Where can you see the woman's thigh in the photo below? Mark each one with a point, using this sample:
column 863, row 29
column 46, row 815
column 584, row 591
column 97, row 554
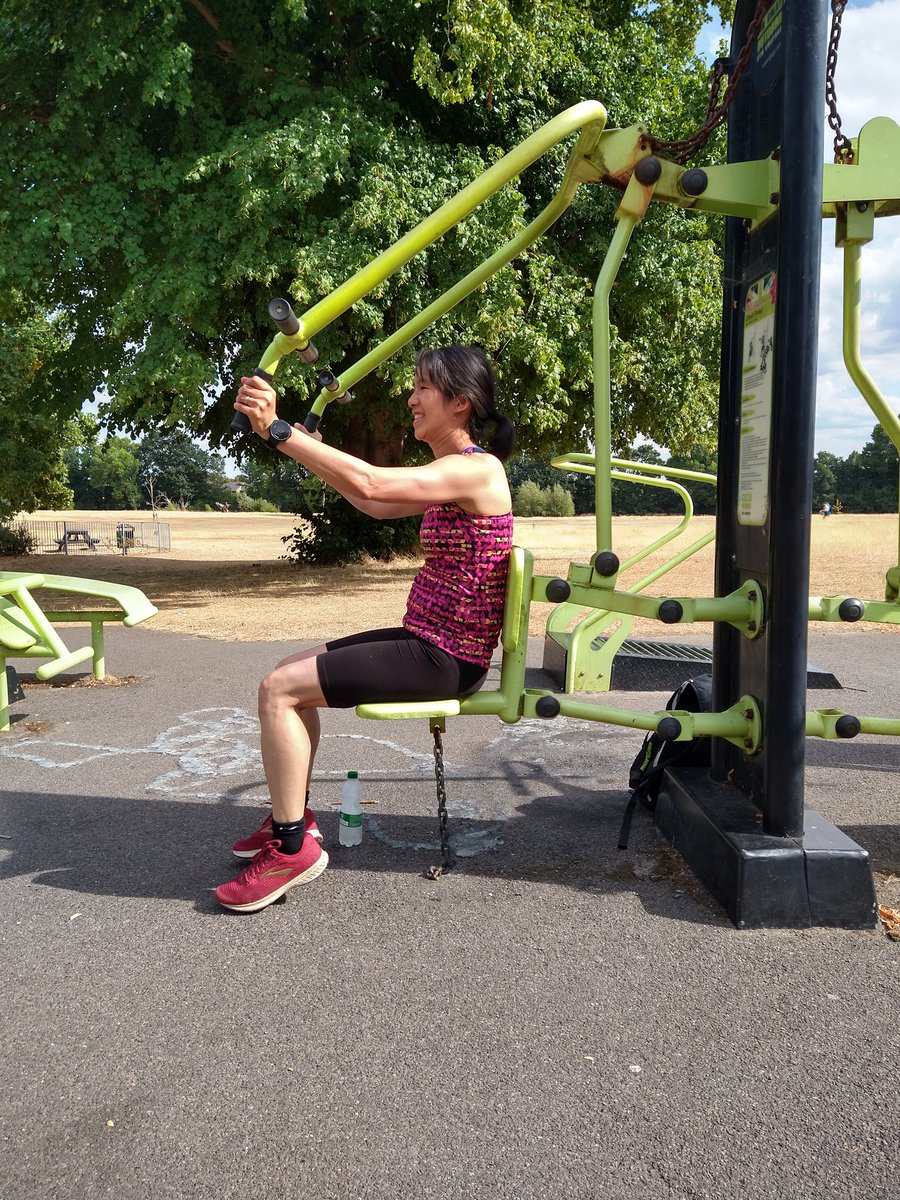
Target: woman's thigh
column 390, row 665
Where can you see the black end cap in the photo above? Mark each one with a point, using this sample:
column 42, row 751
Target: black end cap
column 669, row 729
column 670, row 612
column 606, row 563
column 851, row 609
column 558, row 590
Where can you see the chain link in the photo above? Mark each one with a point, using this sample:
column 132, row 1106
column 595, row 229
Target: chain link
column 446, row 861
column 716, row 111
column 843, row 147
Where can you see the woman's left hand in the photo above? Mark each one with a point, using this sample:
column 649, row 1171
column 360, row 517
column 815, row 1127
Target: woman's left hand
column 256, row 399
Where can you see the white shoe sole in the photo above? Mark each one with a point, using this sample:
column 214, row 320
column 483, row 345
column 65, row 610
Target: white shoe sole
column 308, row 876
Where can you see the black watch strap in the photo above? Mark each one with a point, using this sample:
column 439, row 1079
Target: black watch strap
column 273, row 442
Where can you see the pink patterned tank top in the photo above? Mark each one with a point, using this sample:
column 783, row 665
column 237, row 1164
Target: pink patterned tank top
column 457, row 597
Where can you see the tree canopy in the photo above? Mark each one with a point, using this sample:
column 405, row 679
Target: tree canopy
column 171, row 165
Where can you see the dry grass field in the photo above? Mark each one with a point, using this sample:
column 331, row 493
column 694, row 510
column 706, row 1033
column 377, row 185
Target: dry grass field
column 224, row 577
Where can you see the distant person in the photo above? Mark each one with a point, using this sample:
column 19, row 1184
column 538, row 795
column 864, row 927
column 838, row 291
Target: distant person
column 826, row 509
column 453, row 614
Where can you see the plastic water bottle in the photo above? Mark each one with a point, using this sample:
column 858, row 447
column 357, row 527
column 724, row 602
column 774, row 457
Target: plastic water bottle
column 350, row 821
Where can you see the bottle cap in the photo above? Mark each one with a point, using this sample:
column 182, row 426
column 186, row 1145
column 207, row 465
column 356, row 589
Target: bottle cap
column 353, row 775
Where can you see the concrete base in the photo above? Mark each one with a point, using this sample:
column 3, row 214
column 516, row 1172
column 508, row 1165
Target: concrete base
column 765, row 882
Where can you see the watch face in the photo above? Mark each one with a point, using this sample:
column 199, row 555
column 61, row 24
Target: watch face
column 279, row 431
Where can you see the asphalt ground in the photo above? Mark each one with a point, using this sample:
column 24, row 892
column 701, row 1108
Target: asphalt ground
column 555, row 1017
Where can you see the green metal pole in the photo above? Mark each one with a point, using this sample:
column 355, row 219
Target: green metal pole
column 450, row 214
column 625, row 225
column 867, row 386
column 443, row 304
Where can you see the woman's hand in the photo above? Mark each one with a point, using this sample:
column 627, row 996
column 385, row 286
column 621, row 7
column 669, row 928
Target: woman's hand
column 256, row 399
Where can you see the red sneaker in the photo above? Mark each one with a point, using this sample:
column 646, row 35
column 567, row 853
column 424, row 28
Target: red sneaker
column 271, row 874
column 249, row 847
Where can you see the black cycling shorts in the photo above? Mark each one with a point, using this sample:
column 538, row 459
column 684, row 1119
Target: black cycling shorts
column 390, row 665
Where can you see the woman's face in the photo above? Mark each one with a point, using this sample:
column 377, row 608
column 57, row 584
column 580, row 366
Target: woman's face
column 429, row 407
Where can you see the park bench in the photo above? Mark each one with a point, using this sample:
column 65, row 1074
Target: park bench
column 27, row 628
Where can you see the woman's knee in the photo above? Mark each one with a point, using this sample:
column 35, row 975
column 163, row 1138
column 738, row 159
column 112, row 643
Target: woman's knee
column 290, row 685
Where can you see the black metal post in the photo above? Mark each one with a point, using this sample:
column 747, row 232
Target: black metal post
column 793, row 413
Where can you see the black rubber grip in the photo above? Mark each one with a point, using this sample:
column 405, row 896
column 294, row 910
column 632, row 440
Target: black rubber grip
column 283, row 316
column 311, row 422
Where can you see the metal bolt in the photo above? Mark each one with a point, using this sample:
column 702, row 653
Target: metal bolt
column 774, row 197
column 748, row 743
column 751, row 595
column 751, row 627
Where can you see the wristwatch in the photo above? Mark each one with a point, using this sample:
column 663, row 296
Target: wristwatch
column 279, row 431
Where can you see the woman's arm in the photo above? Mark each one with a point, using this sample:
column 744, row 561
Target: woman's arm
column 385, row 512
column 385, row 491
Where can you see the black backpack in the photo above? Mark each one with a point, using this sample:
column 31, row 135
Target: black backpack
column 656, row 754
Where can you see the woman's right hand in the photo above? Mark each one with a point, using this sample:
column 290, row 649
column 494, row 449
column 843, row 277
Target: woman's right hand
column 256, row 399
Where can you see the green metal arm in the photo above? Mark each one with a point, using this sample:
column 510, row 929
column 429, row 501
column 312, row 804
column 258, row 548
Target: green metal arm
column 743, row 608
column 740, row 724
column 588, row 117
column 828, row 608
column 825, row 723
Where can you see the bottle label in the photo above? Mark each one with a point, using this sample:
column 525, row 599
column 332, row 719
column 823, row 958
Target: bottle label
column 351, row 820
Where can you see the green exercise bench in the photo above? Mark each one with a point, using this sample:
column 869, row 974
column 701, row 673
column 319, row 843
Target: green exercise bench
column 27, row 628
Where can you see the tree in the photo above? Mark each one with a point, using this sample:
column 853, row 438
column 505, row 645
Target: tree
column 170, row 166
column 35, row 433
column 879, row 474
column 174, row 465
column 277, row 480
column 825, row 476
column 105, row 475
column 638, row 499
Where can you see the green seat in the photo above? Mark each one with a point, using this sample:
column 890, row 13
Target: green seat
column 504, row 701
column 27, row 630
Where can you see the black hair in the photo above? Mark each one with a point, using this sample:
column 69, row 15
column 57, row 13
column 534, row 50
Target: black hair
column 467, row 371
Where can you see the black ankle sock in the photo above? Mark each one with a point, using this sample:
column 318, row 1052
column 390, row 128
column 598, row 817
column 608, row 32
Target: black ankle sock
column 290, row 834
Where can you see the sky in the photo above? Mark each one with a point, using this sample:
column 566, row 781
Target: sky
column 866, row 85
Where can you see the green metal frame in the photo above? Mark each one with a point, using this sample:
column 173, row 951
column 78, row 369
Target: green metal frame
column 588, row 118
column 589, row 662
column 27, row 630
column 748, row 190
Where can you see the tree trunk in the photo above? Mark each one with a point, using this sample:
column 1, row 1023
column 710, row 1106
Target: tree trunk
column 379, row 441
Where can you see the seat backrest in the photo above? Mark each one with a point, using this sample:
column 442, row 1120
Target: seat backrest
column 511, row 631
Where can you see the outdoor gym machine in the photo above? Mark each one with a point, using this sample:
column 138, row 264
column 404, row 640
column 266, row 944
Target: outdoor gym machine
column 742, row 826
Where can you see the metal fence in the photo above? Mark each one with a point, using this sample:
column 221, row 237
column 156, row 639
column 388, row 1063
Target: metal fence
column 92, row 537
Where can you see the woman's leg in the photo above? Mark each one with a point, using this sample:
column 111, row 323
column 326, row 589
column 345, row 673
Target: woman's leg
column 289, row 699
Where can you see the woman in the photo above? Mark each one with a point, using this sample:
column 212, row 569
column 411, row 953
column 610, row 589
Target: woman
column 454, row 611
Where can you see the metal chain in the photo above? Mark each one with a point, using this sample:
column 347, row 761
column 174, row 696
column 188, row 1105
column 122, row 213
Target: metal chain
column 843, row 147
column 446, row 861
column 716, row 111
